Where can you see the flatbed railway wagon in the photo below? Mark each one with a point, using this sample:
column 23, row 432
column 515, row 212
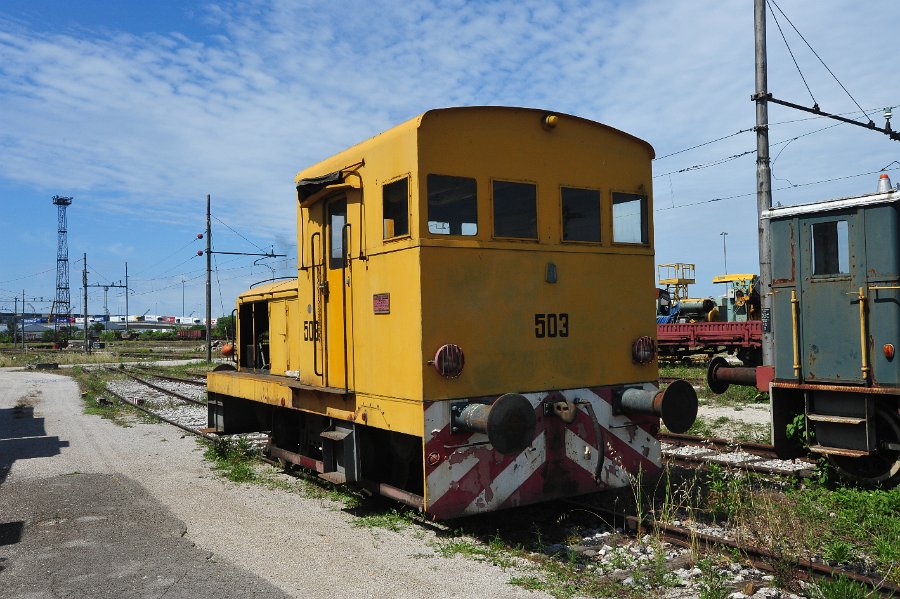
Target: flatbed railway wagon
column 456, row 337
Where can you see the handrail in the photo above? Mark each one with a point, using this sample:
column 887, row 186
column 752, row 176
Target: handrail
column 794, row 309
column 344, row 262
column 315, row 311
column 862, row 334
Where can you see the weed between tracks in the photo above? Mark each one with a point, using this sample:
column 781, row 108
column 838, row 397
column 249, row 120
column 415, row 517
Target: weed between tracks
column 97, row 402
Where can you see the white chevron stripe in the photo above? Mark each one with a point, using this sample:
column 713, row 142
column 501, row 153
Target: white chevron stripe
column 512, row 477
column 644, row 443
column 444, row 476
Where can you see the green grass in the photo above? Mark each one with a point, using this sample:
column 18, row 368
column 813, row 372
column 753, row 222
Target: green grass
column 97, row 401
column 852, row 524
column 233, row 460
column 563, row 576
column 394, row 520
column 839, row 588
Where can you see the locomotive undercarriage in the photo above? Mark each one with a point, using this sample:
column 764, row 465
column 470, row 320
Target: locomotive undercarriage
column 857, row 431
column 384, row 462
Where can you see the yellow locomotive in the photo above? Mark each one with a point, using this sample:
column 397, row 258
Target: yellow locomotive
column 456, row 337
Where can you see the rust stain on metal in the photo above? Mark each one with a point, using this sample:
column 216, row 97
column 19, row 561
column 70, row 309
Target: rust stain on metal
column 836, row 388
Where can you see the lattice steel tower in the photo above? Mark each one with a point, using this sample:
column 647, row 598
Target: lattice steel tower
column 62, row 258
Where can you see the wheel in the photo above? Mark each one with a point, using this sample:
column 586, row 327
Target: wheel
column 881, row 469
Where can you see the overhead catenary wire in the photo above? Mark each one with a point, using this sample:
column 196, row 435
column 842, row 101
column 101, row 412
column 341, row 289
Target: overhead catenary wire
column 791, row 52
column 793, row 186
column 816, row 54
column 775, row 124
column 706, row 143
column 220, row 221
column 726, row 159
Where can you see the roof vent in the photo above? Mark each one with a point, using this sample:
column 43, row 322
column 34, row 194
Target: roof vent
column 884, row 183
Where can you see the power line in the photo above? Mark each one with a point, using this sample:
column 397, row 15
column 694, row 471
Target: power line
column 808, row 45
column 238, row 234
column 158, row 262
column 791, row 52
column 793, row 186
column 706, row 143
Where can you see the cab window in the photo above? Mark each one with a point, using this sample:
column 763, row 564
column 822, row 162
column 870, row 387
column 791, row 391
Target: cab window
column 396, row 208
column 629, row 218
column 337, row 217
column 580, row 214
column 452, row 208
column 831, row 255
column 515, row 209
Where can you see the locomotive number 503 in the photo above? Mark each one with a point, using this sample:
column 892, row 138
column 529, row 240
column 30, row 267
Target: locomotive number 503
column 551, row 325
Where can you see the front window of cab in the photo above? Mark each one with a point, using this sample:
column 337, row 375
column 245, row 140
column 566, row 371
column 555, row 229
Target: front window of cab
column 452, row 205
column 515, row 209
column 629, row 218
column 580, row 214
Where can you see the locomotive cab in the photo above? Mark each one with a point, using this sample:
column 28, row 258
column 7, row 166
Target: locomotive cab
column 836, row 321
column 456, row 336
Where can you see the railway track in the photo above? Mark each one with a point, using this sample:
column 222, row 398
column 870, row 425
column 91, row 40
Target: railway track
column 196, row 379
column 760, row 558
column 189, row 416
column 690, row 451
column 169, row 399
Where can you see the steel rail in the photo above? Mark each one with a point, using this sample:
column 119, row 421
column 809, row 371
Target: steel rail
column 188, row 429
column 166, row 391
column 175, row 379
column 759, row 449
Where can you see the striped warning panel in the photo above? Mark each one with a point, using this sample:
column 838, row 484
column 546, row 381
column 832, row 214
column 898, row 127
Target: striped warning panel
column 464, row 475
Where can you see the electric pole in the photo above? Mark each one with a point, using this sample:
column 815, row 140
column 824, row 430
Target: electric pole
column 87, row 341
column 763, row 181
column 208, row 287
column 126, row 299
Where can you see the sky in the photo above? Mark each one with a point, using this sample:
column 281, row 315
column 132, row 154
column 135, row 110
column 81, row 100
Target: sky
column 138, row 110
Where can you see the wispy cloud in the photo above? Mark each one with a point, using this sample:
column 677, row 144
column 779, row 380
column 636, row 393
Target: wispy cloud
column 148, row 124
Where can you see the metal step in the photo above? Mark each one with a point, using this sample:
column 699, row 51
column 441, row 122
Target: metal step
column 338, row 436
column 849, row 453
column 337, row 478
column 835, row 419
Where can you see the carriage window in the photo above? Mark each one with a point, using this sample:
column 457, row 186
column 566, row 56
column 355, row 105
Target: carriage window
column 515, row 210
column 580, row 214
column 396, row 208
column 629, row 218
column 451, row 205
column 337, row 216
column 830, row 249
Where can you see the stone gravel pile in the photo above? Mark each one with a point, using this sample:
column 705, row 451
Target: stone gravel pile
column 649, row 562
column 182, row 412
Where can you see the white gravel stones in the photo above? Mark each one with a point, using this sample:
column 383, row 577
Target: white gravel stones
column 197, row 392
column 626, row 559
column 182, row 412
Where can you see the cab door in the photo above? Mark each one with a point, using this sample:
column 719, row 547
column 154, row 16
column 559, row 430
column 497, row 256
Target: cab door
column 335, row 295
column 829, row 298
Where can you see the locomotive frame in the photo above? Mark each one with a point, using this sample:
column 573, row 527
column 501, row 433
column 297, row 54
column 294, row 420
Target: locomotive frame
column 451, row 340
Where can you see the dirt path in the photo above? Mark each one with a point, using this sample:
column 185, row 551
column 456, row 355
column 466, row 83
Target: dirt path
column 302, row 546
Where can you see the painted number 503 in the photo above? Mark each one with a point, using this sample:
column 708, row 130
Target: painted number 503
column 551, row 325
